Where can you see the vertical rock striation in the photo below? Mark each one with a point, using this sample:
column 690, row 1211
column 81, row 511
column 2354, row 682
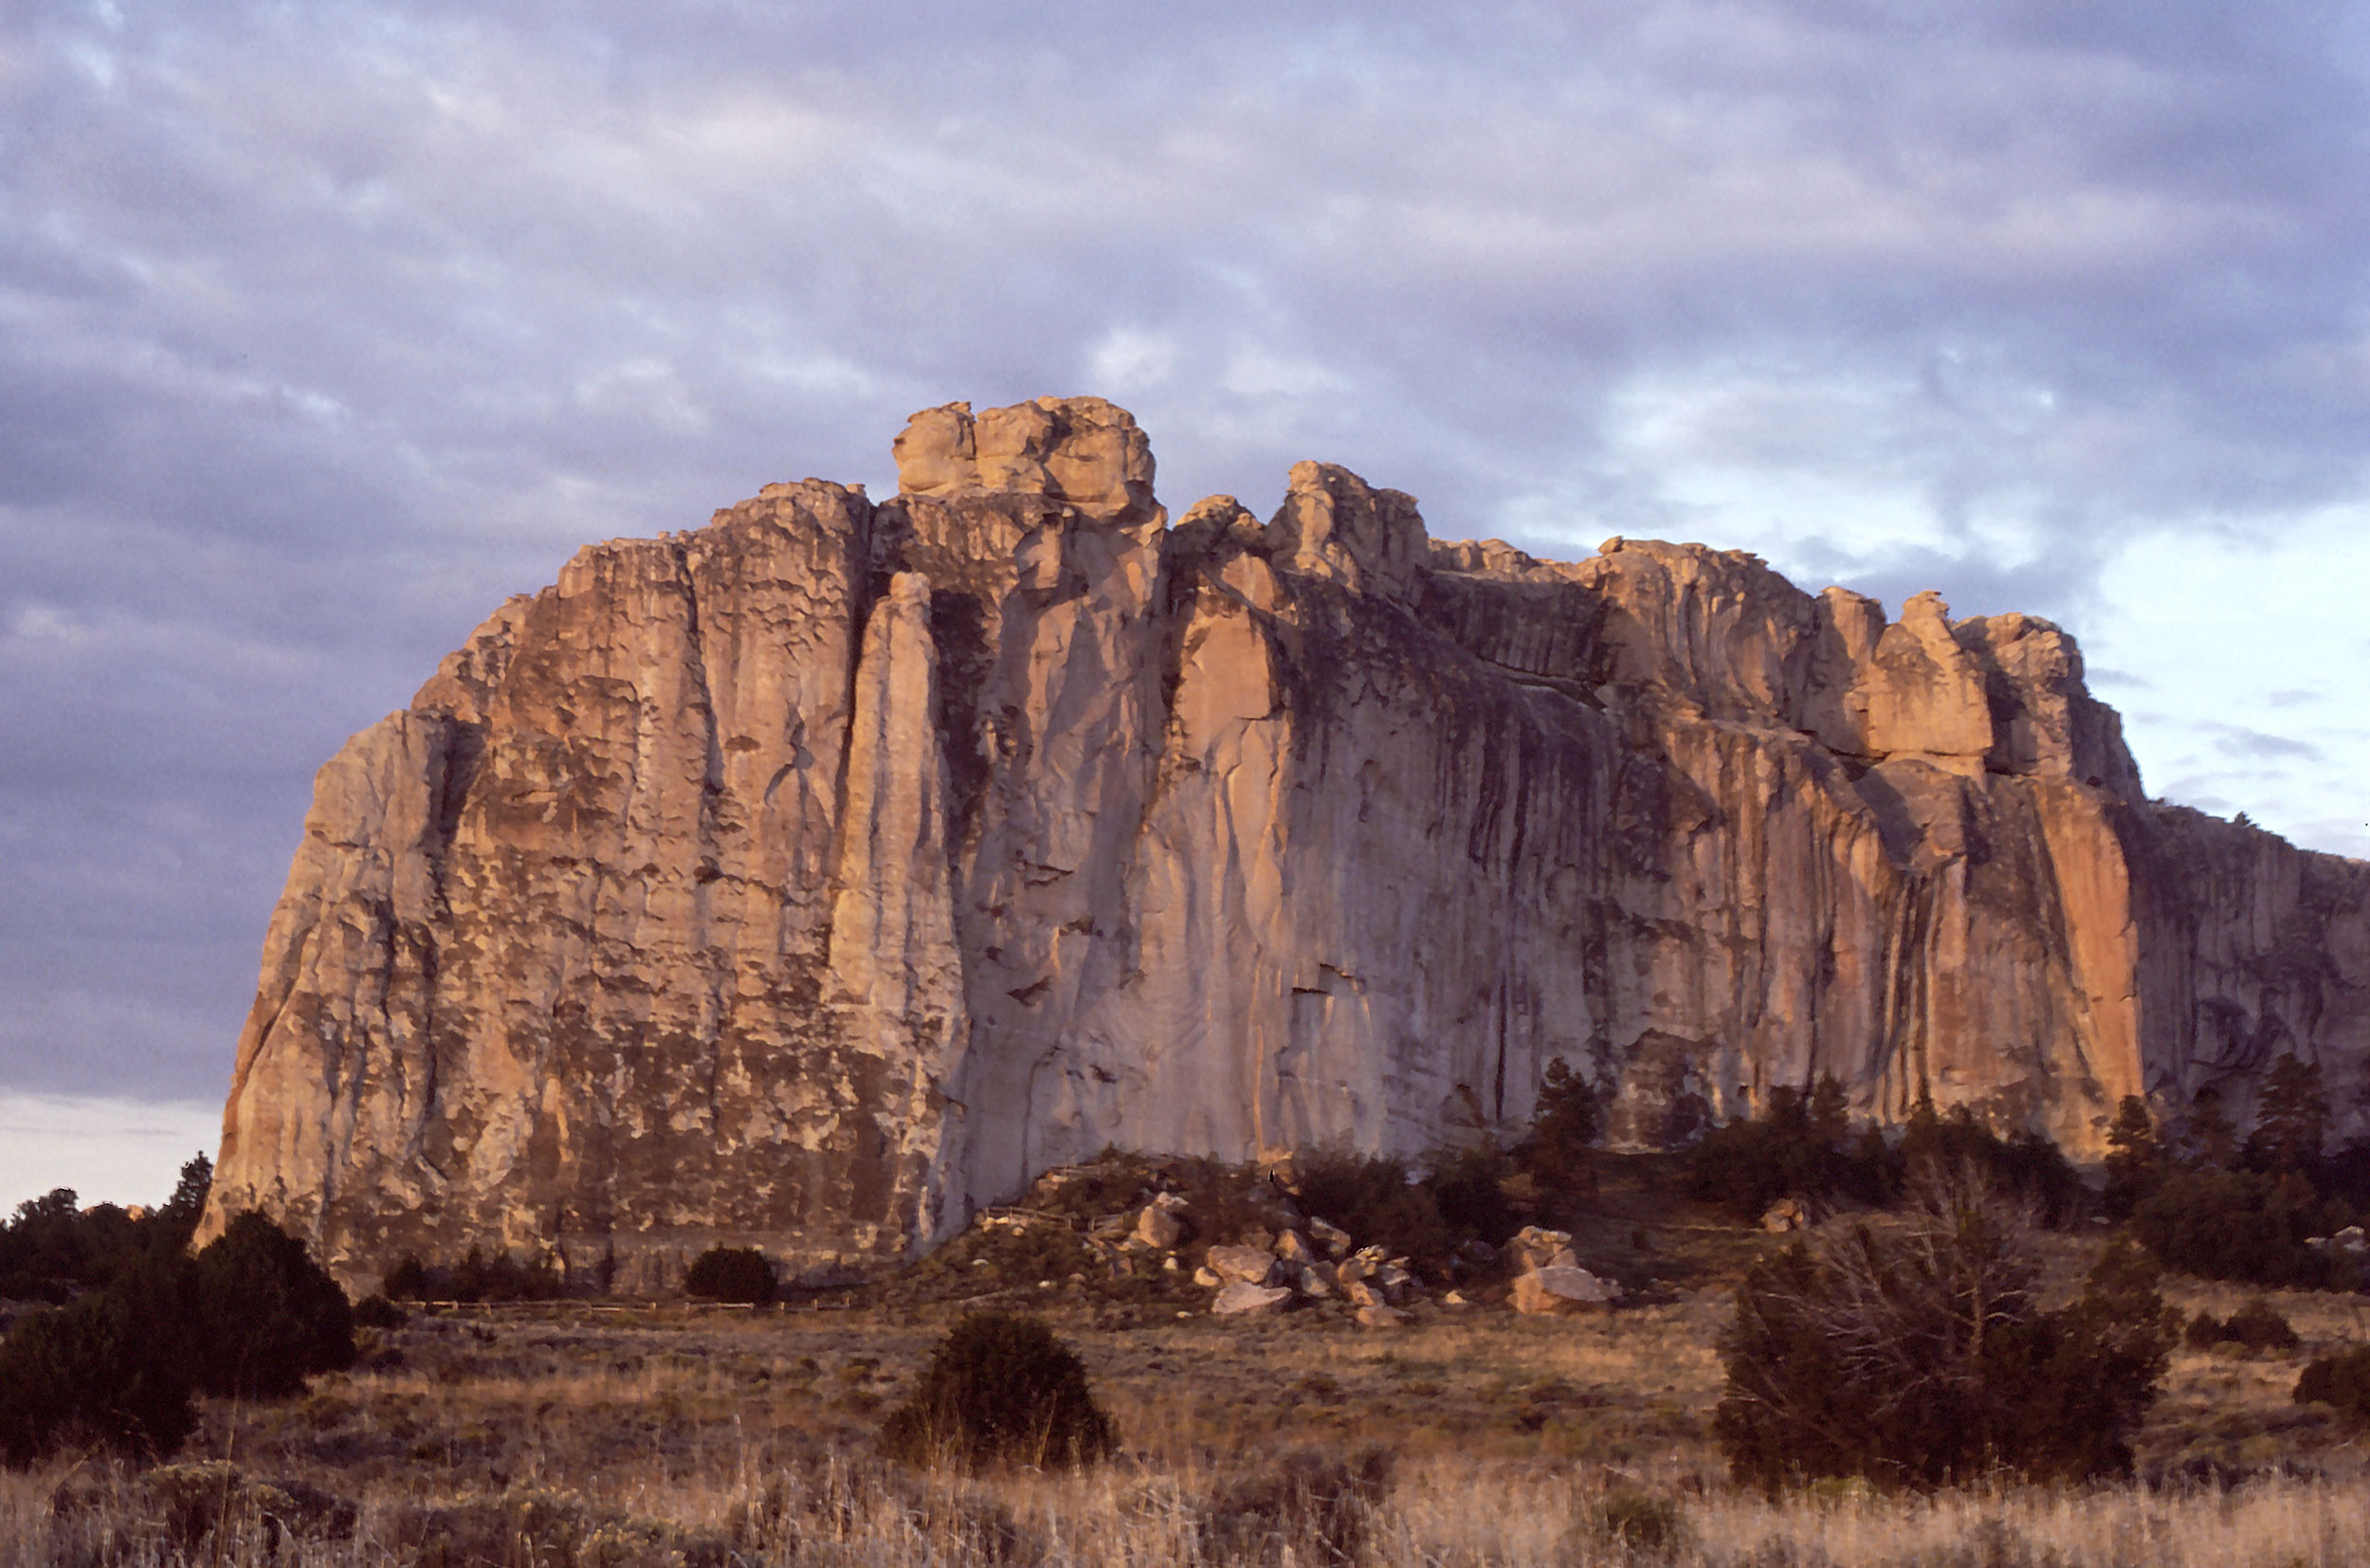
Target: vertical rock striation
column 809, row 879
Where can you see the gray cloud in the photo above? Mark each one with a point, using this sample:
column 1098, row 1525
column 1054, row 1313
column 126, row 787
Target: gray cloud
column 322, row 328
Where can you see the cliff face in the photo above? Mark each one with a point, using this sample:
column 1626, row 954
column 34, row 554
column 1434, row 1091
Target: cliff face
column 810, row 878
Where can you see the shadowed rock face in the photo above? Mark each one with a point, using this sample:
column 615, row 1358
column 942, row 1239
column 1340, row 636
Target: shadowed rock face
column 809, row 879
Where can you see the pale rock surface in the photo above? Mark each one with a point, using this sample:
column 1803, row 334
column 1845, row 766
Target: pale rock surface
column 1243, row 1299
column 1243, row 1264
column 813, row 879
column 1533, row 1247
column 1379, row 1316
column 1561, row 1288
column 1158, row 1228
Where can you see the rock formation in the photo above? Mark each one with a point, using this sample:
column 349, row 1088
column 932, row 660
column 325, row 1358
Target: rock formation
column 809, row 879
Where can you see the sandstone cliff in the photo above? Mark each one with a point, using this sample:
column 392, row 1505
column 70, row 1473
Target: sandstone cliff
column 807, row 879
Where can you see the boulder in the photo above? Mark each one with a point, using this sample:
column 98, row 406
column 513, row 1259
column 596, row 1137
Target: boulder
column 1313, row 1282
column 1560, row 1289
column 1292, row 1250
column 1208, row 1278
column 1241, row 1299
column 1787, row 1214
column 1335, row 1240
column 1383, row 1317
column 1159, row 1227
column 1243, row 1264
column 1533, row 1248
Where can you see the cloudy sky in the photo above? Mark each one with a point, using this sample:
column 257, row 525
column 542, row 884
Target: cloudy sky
column 324, row 326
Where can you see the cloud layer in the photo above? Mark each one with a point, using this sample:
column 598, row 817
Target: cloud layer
column 323, row 327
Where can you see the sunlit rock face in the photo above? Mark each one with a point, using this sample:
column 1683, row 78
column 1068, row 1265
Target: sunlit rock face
column 807, row 880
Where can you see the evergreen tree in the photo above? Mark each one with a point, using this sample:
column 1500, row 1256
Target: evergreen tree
column 2135, row 1159
column 2292, row 1118
column 2212, row 1140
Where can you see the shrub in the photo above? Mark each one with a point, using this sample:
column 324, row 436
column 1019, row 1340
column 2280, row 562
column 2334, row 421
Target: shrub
column 271, row 1317
column 502, row 1278
column 1467, row 1188
column 2341, row 1381
column 731, row 1274
column 112, row 1369
column 1373, row 1200
column 1304, row 1507
column 2025, row 1165
column 1000, row 1389
column 1915, row 1353
column 1638, row 1521
column 2259, row 1325
column 53, row 1249
column 379, row 1312
column 2233, row 1225
column 1800, row 1145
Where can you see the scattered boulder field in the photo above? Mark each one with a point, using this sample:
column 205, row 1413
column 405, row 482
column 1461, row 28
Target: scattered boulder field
column 1269, row 1256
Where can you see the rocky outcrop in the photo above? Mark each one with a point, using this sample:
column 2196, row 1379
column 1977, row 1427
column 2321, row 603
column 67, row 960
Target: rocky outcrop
column 812, row 878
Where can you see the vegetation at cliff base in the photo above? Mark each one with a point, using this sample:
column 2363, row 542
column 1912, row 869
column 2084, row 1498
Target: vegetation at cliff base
column 731, row 1274
column 2259, row 1210
column 475, row 1278
column 1915, row 1352
column 1806, row 1146
column 147, row 1326
column 53, row 1249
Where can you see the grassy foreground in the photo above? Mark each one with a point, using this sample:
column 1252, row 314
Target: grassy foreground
column 565, row 1433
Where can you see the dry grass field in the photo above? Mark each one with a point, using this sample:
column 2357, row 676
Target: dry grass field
column 566, row 1433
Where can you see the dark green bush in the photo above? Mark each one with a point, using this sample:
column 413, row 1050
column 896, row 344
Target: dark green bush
column 2235, row 1225
column 1000, row 1389
column 2024, row 1166
column 53, row 1249
column 475, row 1278
column 502, row 1278
column 1374, row 1200
column 112, row 1369
column 1467, row 1188
column 731, row 1274
column 379, row 1312
column 2341, row 1382
column 1799, row 1146
column 1915, row 1353
column 2257, row 1324
column 272, row 1317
